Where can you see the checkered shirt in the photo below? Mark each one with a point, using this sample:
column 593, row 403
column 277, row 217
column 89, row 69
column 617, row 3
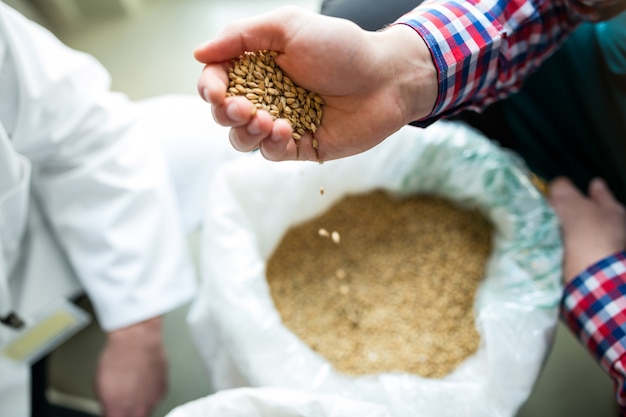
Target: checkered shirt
column 484, row 49
column 594, row 308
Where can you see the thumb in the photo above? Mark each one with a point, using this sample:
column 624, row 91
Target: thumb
column 266, row 31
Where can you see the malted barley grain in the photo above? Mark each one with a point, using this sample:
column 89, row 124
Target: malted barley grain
column 396, row 295
column 256, row 76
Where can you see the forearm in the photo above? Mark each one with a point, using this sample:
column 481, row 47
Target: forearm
column 145, row 335
column 484, row 50
column 116, row 218
column 132, row 371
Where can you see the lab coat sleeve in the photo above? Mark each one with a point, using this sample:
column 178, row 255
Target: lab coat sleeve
column 99, row 177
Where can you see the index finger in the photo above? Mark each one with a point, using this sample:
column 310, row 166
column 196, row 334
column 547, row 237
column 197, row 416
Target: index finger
column 213, row 83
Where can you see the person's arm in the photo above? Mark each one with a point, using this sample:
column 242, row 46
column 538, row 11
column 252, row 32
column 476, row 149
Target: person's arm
column 102, row 183
column 594, row 308
column 484, row 50
column 463, row 54
column 373, row 83
column 132, row 370
column 594, row 271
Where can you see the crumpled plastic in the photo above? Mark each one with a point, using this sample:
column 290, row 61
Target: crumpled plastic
column 253, row 202
column 276, row 402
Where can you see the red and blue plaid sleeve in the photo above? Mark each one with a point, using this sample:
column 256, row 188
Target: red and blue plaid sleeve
column 594, row 308
column 484, row 49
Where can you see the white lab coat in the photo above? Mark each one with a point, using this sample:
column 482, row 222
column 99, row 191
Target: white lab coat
column 88, row 201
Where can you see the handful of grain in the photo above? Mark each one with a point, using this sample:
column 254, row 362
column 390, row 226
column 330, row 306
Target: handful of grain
column 396, row 294
column 256, row 76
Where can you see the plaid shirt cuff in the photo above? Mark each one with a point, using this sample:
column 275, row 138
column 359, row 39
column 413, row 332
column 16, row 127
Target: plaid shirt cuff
column 464, row 42
column 594, row 308
column 484, row 49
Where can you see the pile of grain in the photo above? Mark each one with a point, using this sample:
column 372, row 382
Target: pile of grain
column 256, row 76
column 395, row 293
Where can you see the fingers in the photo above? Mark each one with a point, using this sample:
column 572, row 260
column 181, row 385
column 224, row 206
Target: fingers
column 564, row 196
column 592, row 226
column 602, row 195
column 272, row 137
column 256, row 129
column 280, row 146
column 569, row 204
column 213, row 83
column 249, row 126
column 566, row 201
column 248, row 130
column 562, row 191
column 233, row 111
column 561, row 185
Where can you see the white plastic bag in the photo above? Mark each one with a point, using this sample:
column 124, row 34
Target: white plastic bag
column 276, row 402
column 253, row 202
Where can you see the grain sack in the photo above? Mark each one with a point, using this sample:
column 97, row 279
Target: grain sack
column 393, row 292
column 253, row 203
column 276, row 402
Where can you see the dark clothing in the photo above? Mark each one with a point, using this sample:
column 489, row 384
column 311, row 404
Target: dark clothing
column 570, row 116
column 370, row 16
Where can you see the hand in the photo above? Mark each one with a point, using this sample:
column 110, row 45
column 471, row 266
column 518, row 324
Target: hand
column 593, row 227
column 131, row 377
column 373, row 83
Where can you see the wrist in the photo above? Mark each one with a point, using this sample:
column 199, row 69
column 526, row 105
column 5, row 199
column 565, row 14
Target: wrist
column 415, row 75
column 145, row 333
column 574, row 269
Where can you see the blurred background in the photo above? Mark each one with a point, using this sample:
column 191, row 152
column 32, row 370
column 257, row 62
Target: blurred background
column 147, row 47
column 145, row 44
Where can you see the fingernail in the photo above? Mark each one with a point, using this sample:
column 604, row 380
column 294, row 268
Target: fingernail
column 253, row 127
column 598, row 181
column 205, row 94
column 598, row 184
column 232, row 111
